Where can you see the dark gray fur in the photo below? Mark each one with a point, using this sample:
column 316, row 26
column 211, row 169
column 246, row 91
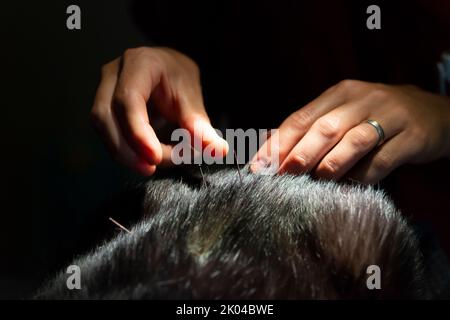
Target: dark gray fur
column 269, row 237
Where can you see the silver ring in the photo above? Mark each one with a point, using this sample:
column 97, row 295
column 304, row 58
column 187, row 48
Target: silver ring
column 379, row 129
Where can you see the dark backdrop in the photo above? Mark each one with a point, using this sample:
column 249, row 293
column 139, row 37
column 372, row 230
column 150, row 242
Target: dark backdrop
column 55, row 172
column 59, row 185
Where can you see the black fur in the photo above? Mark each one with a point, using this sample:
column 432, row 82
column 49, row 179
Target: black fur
column 267, row 237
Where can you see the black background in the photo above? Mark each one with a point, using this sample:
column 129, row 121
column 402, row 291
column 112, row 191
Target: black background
column 59, row 184
column 55, row 172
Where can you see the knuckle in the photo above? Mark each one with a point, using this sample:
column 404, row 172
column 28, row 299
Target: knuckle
column 402, row 114
column 331, row 166
column 379, row 94
column 349, row 85
column 123, row 96
column 132, row 53
column 300, row 120
column 348, row 88
column 186, row 61
column 296, row 163
column 328, row 127
column 106, row 68
column 195, row 70
column 420, row 136
column 151, row 56
column 300, row 160
column 362, row 138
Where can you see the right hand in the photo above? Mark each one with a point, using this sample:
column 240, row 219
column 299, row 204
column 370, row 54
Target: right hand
column 167, row 79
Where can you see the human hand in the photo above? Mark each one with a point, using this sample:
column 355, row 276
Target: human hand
column 167, row 80
column 330, row 137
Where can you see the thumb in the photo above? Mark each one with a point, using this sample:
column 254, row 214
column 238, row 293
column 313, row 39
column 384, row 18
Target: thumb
column 197, row 123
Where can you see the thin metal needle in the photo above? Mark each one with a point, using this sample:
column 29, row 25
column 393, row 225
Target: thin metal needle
column 203, row 177
column 119, row 225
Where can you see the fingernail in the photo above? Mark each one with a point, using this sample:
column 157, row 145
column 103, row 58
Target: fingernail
column 260, row 164
column 301, row 161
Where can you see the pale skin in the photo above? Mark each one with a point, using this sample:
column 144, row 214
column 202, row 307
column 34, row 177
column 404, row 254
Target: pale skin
column 329, row 137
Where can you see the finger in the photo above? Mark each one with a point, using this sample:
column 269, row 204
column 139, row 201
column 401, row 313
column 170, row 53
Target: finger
column 139, row 75
column 106, row 125
column 201, row 130
column 383, row 160
column 166, row 156
column 295, row 127
column 193, row 117
column 325, row 133
column 355, row 144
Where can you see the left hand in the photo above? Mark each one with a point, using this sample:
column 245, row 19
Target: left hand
column 330, row 137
